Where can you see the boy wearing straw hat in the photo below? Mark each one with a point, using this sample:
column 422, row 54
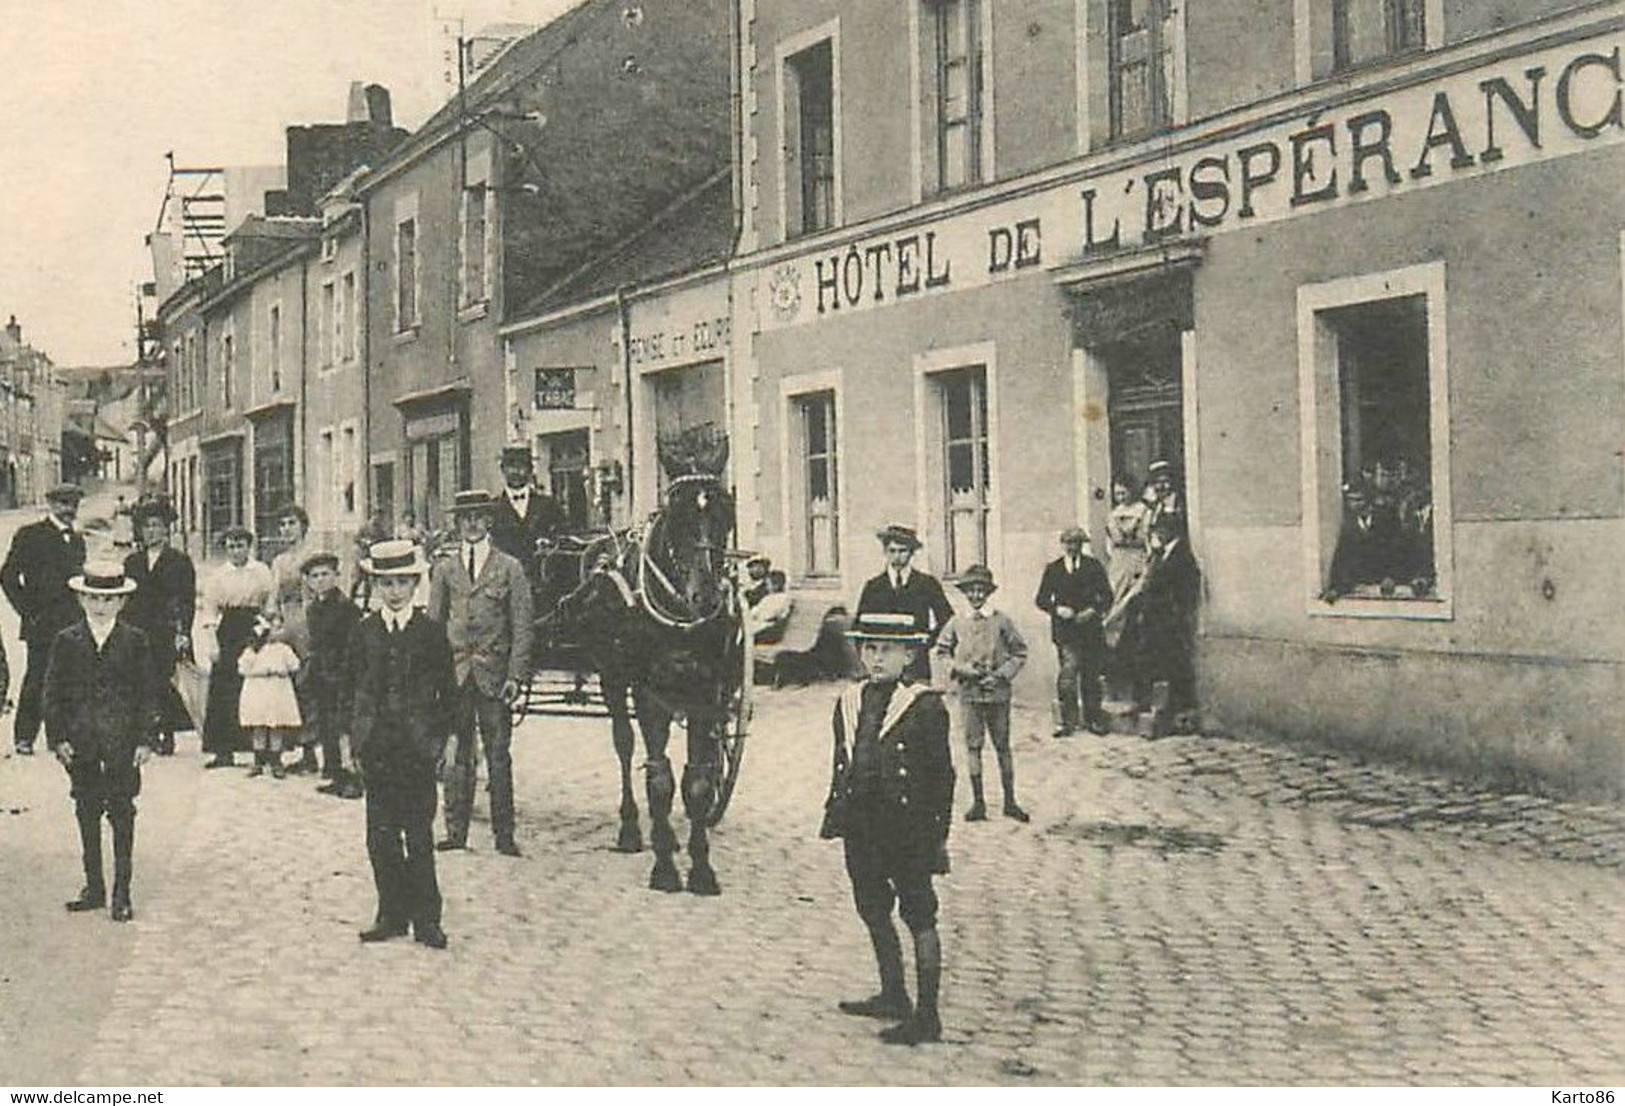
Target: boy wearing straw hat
column 984, row 651
column 100, row 716
column 402, row 709
column 890, row 796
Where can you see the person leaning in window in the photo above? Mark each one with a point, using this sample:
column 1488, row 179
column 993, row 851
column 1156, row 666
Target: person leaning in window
column 234, row 594
column 1076, row 594
column 890, row 799
column 904, row 589
column 402, row 707
column 481, row 596
column 43, row 556
column 162, row 607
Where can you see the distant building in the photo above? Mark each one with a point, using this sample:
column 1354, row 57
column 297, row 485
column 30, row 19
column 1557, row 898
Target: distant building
column 31, row 420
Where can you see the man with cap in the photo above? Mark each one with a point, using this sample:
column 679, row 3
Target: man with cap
column 162, row 607
column 903, row 589
column 1076, row 594
column 402, row 707
column 758, row 569
column 99, row 720
column 44, row 556
column 482, row 597
column 890, row 796
column 523, row 514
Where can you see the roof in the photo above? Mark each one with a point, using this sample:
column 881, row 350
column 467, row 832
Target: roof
column 275, row 226
column 695, row 232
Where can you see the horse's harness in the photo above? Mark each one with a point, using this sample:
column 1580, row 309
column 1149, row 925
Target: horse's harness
column 653, row 592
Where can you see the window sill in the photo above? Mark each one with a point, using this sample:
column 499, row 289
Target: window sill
column 401, row 337
column 1404, row 610
column 473, row 312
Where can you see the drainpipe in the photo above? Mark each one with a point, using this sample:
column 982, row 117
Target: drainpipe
column 363, row 322
column 302, row 471
column 624, row 311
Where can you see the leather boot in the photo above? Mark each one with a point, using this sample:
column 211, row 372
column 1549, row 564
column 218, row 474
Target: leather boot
column 123, row 860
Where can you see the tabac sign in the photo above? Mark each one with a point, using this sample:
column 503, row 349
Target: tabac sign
column 1550, row 104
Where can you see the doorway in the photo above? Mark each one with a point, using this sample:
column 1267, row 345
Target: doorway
column 1145, row 403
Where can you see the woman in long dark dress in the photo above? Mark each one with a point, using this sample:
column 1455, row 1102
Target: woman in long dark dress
column 162, row 607
column 1159, row 628
column 237, row 592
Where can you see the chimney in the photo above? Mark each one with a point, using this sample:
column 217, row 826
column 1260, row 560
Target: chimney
column 14, row 331
column 356, row 110
column 379, row 111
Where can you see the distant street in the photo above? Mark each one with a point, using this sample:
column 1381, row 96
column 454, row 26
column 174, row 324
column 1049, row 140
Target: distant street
column 1184, row 911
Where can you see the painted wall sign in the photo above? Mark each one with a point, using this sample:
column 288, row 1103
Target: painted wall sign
column 1516, row 112
column 682, row 326
column 555, row 389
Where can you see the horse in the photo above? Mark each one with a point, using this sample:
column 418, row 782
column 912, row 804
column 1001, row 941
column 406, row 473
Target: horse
column 660, row 616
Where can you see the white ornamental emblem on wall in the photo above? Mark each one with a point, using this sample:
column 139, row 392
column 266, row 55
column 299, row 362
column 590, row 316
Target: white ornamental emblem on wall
column 785, row 289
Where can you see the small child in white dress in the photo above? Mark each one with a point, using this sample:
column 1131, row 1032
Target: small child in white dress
column 268, row 709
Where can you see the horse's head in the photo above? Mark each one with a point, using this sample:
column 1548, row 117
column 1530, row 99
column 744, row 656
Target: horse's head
column 696, row 536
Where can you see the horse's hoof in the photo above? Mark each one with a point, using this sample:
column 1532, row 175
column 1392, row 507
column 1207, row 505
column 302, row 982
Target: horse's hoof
column 703, row 881
column 629, row 840
column 664, row 877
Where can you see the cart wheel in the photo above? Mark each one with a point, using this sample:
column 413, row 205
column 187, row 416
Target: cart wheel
column 731, row 742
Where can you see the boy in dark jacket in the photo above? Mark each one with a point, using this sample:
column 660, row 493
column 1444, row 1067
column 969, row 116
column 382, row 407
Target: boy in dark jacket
column 890, row 798
column 402, row 710
column 99, row 720
column 330, row 619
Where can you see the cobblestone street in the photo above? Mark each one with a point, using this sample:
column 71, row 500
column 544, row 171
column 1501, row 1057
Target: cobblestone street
column 1183, row 911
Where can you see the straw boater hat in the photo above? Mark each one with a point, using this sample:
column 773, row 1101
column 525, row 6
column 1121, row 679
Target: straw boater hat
column 396, row 557
column 876, row 626
column 977, row 576
column 475, row 499
column 897, row 532
column 69, row 493
column 102, row 578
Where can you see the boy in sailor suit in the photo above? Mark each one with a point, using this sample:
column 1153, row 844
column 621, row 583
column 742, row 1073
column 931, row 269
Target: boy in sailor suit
column 890, row 798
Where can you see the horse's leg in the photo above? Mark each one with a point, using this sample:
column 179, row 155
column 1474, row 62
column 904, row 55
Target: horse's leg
column 630, row 837
column 699, row 788
column 655, row 722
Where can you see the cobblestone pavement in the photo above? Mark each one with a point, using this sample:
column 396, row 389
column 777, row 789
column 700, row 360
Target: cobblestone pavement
column 1182, row 911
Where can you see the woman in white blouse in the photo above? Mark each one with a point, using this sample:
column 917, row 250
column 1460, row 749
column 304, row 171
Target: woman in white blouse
column 234, row 594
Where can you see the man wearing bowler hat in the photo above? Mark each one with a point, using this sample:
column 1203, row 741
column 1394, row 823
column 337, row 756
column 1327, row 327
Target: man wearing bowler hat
column 482, row 597
column 522, row 514
column 904, row 589
column 44, row 555
column 1076, row 594
column 100, row 716
column 402, row 708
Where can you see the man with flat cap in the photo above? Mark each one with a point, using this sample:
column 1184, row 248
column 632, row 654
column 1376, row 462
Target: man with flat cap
column 904, row 589
column 481, row 596
column 44, row 556
column 522, row 514
column 1077, row 595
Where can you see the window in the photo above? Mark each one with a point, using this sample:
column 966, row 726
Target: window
column 406, row 275
column 228, row 366
column 345, row 322
column 1140, row 36
column 1376, row 427
column 1364, row 31
column 958, row 55
column 966, row 472
column 349, row 472
column 383, row 489
column 475, row 197
column 274, row 330
column 194, row 374
column 328, row 327
column 809, row 148
column 821, row 503
column 325, row 479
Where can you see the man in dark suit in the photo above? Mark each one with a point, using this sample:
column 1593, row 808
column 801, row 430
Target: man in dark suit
column 99, row 720
column 1076, row 594
column 162, row 607
column 523, row 514
column 43, row 556
column 402, row 709
column 482, row 597
column 903, row 589
column 889, row 799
